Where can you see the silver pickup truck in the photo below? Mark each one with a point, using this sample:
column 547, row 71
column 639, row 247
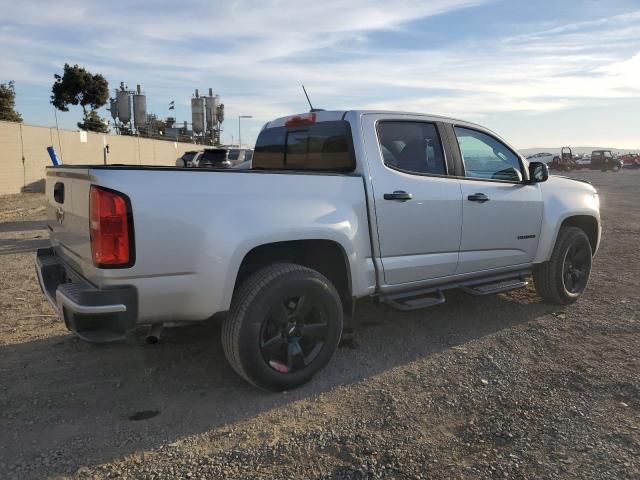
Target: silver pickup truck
column 337, row 206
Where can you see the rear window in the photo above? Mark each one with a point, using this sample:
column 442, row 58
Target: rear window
column 188, row 156
column 214, row 155
column 325, row 146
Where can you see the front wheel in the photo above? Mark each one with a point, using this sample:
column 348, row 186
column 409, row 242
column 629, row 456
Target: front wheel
column 564, row 277
column 284, row 326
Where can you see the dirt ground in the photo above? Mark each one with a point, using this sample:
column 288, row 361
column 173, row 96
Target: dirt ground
column 492, row 387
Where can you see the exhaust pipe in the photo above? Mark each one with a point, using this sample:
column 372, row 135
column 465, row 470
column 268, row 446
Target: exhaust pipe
column 153, row 336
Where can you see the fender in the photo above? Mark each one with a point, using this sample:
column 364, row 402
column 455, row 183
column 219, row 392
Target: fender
column 564, row 199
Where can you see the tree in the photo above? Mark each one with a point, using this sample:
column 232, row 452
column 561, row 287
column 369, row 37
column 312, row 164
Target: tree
column 8, row 103
column 77, row 86
column 93, row 123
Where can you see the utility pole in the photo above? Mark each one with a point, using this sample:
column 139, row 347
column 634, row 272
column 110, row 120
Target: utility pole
column 239, row 134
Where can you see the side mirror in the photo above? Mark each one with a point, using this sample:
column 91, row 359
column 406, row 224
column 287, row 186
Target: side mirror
column 538, row 172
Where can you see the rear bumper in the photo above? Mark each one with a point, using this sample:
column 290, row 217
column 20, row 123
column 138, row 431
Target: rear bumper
column 93, row 314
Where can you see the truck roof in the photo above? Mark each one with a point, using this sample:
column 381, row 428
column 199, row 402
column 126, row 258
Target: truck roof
column 332, row 115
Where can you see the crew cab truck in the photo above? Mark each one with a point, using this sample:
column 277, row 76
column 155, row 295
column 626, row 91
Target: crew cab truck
column 604, row 160
column 337, row 205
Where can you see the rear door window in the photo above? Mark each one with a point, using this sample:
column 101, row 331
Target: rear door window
column 413, row 147
column 324, row 146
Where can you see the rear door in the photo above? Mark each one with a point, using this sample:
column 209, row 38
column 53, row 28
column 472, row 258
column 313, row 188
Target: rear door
column 418, row 206
column 501, row 215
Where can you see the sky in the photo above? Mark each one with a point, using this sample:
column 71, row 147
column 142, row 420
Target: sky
column 543, row 73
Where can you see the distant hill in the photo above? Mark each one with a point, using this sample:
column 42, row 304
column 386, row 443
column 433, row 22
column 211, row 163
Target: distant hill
column 579, row 150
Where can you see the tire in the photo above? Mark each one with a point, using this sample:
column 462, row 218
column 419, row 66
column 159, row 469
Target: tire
column 616, row 168
column 284, row 326
column 562, row 280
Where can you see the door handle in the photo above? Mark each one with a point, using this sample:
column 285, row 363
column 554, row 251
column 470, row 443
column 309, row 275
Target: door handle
column 478, row 197
column 398, row 195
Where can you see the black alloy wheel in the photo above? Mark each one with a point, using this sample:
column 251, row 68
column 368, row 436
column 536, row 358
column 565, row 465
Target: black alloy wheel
column 576, row 266
column 294, row 333
column 564, row 277
column 284, row 326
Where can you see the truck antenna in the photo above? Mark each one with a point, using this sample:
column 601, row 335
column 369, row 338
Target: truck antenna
column 309, row 101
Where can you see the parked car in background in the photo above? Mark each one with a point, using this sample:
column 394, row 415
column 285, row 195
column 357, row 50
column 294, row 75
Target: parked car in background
column 541, row 157
column 630, row 160
column 213, row 158
column 604, row 160
column 219, row 157
column 246, row 165
column 564, row 162
column 338, row 205
column 584, row 161
column 239, row 155
column 188, row 158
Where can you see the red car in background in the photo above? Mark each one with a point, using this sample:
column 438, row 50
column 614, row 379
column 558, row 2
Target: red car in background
column 630, row 160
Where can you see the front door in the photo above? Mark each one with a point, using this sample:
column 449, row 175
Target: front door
column 418, row 208
column 502, row 216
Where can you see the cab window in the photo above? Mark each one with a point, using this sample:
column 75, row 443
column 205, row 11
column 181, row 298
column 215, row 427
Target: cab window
column 486, row 158
column 412, row 147
column 323, row 146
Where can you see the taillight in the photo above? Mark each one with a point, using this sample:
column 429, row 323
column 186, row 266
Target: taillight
column 111, row 235
column 299, row 120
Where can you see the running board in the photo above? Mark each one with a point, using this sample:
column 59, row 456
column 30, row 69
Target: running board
column 430, row 296
column 496, row 287
column 413, row 300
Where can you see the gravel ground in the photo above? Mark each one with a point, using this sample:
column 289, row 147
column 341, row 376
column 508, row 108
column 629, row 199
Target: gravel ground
column 496, row 387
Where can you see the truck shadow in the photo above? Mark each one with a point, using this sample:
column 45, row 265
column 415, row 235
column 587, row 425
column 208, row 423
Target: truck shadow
column 37, row 186
column 66, row 404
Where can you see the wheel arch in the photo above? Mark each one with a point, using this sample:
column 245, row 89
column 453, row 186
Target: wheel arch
column 328, row 257
column 588, row 224
column 587, row 221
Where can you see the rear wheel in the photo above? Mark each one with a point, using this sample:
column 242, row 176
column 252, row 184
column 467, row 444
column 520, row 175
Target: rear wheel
column 284, row 326
column 564, row 277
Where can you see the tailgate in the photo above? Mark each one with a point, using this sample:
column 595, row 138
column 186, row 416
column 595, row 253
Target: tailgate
column 67, row 191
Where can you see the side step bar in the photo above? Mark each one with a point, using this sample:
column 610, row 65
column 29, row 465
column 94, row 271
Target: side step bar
column 428, row 297
column 414, row 300
column 491, row 288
